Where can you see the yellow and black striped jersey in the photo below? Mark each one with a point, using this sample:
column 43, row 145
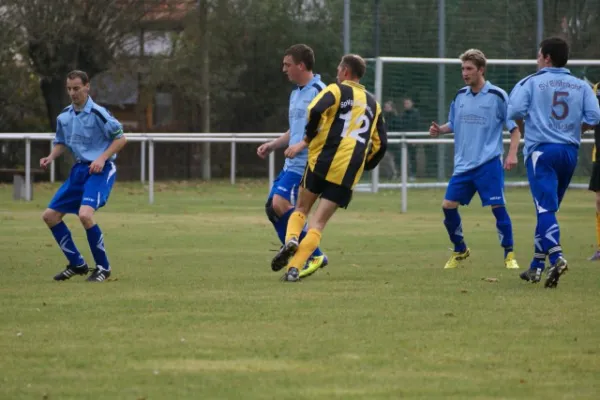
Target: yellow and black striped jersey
column 347, row 133
column 596, row 128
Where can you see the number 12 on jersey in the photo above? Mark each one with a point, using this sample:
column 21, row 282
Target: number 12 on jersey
column 357, row 134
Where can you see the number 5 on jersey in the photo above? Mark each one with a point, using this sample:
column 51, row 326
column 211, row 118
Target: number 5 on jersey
column 356, row 134
column 562, row 106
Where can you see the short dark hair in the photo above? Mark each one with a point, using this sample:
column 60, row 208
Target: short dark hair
column 301, row 53
column 356, row 64
column 79, row 74
column 558, row 50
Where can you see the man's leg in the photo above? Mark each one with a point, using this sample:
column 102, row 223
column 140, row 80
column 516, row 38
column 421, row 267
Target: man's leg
column 461, row 189
column 279, row 206
column 323, row 213
column 295, row 225
column 548, row 183
column 66, row 200
column 596, row 255
column 490, row 186
column 96, row 194
column 595, row 187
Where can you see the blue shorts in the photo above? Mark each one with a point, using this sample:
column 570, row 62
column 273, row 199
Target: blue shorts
column 286, row 185
column 549, row 170
column 487, row 180
column 84, row 189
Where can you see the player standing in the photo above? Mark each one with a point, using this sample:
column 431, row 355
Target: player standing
column 595, row 181
column 477, row 117
column 554, row 105
column 345, row 134
column 94, row 137
column 298, row 62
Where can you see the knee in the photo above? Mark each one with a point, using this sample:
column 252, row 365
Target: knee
column 449, row 205
column 280, row 205
column 51, row 217
column 270, row 211
column 86, row 216
column 598, row 203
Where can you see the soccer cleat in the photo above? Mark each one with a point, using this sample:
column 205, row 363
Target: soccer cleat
column 291, row 275
column 99, row 275
column 313, row 264
column 510, row 262
column 456, row 258
column 532, row 275
column 71, row 270
column 555, row 272
column 595, row 257
column 284, row 254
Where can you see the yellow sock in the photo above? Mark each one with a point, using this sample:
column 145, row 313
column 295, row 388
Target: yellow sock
column 295, row 225
column 308, row 245
column 598, row 228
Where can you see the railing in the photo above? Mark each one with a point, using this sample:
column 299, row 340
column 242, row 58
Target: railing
column 150, row 140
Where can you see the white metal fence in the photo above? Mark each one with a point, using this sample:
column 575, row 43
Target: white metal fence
column 149, row 141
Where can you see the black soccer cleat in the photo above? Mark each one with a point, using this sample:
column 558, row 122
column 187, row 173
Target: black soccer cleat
column 531, row 275
column 99, row 275
column 72, row 270
column 284, row 254
column 555, row 272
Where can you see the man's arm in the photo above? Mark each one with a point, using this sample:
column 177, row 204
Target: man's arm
column 591, row 109
column 58, row 149
column 266, row 148
column 378, row 145
column 316, row 109
column 519, row 102
column 281, row 141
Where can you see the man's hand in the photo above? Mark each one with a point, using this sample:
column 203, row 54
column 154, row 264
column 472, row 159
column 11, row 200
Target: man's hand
column 511, row 161
column 98, row 165
column 294, row 149
column 264, row 149
column 44, row 162
column 434, row 129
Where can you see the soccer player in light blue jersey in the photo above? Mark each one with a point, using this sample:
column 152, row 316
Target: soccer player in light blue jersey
column 94, row 137
column 298, row 62
column 553, row 105
column 477, row 117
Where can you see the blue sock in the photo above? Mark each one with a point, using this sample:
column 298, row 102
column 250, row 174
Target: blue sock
column 539, row 257
column 550, row 233
column 504, row 227
column 96, row 241
column 281, row 225
column 63, row 237
column 454, row 228
column 281, row 229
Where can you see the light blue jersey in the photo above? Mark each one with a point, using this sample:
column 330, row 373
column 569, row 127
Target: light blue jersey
column 477, row 120
column 87, row 133
column 300, row 98
column 553, row 104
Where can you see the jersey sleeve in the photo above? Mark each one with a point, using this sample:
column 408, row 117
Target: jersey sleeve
column 451, row 116
column 519, row 100
column 59, row 138
column 378, row 144
column 319, row 106
column 503, row 112
column 591, row 110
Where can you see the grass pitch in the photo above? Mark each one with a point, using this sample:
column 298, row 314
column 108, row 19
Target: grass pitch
column 193, row 311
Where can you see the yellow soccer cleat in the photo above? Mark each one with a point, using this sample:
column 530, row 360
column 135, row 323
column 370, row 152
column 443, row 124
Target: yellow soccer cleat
column 313, row 264
column 510, row 262
column 456, row 258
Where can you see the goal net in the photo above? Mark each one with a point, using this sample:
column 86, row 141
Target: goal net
column 415, row 91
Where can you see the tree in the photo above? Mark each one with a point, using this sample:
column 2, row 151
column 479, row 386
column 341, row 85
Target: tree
column 62, row 35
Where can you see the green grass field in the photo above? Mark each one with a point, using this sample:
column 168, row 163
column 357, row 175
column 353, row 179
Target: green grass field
column 193, row 311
